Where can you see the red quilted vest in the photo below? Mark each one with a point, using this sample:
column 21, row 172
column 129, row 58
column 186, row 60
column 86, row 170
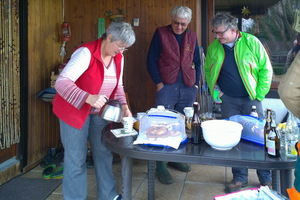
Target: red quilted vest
column 90, row 81
column 172, row 58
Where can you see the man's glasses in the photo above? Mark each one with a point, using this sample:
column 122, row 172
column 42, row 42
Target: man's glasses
column 219, row 33
column 178, row 23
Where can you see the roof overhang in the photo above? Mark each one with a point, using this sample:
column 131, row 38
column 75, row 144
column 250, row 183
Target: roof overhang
column 256, row 7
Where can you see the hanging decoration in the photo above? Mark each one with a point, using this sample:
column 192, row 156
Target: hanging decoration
column 115, row 17
column 245, row 11
column 65, row 36
column 9, row 75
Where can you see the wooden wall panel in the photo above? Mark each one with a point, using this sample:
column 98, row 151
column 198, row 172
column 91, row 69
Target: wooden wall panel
column 211, row 14
column 151, row 13
column 44, row 20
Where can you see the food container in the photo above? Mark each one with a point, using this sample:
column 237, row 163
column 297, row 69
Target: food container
column 162, row 127
column 253, row 128
column 221, row 134
column 138, row 119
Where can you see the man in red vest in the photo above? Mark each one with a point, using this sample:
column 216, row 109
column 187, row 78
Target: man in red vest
column 173, row 63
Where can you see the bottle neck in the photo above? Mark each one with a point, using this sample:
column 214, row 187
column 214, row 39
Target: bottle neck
column 269, row 119
column 195, row 106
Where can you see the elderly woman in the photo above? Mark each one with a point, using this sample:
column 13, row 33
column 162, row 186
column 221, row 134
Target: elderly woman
column 93, row 74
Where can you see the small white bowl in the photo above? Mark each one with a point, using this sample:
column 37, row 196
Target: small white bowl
column 222, row 134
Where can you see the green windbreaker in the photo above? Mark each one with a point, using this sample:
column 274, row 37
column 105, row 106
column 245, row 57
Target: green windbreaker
column 253, row 64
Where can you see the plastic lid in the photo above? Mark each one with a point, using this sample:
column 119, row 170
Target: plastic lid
column 160, row 108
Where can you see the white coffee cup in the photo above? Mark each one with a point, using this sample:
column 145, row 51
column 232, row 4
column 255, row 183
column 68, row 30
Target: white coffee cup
column 128, row 124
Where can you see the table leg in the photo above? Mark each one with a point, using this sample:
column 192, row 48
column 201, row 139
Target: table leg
column 126, row 163
column 276, row 180
column 151, row 179
column 286, row 180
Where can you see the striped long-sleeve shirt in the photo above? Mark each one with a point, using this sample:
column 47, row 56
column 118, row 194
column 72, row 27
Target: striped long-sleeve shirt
column 66, row 87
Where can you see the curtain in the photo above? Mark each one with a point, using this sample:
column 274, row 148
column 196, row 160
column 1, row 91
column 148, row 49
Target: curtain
column 9, row 73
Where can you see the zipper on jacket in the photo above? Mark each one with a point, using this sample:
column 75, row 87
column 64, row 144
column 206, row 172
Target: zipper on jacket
column 242, row 77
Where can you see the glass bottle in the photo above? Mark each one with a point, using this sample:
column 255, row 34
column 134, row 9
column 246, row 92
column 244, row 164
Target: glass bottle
column 291, row 136
column 273, row 141
column 267, row 127
column 196, row 125
column 254, row 112
column 273, row 114
column 281, row 132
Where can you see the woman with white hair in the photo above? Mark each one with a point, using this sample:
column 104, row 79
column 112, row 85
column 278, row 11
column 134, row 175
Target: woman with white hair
column 93, row 75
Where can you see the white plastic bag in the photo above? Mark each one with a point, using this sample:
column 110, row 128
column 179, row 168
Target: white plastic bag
column 162, row 127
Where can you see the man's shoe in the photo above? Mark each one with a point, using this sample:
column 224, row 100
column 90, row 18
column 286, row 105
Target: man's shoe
column 269, row 184
column 164, row 177
column 162, row 173
column 183, row 167
column 234, row 186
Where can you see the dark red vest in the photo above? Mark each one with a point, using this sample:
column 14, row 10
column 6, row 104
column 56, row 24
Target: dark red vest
column 90, row 81
column 172, row 58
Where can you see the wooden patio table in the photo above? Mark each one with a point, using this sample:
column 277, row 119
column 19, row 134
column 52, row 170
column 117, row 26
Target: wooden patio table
column 245, row 154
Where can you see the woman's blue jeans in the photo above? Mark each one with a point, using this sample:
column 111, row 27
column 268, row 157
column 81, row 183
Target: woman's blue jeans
column 75, row 172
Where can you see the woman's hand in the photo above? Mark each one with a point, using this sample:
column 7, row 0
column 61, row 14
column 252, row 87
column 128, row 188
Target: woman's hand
column 96, row 101
column 125, row 111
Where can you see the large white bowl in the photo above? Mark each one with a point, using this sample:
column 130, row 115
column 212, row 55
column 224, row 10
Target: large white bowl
column 222, row 134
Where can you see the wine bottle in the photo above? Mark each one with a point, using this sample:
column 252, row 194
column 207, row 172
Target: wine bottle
column 196, row 125
column 267, row 127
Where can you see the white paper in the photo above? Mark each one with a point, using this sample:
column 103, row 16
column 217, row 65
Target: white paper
column 120, row 132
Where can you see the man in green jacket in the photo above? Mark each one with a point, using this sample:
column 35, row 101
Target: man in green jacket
column 239, row 74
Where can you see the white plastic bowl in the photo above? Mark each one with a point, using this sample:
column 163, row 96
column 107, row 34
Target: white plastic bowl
column 222, row 134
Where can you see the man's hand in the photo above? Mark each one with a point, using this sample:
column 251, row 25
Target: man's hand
column 159, row 86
